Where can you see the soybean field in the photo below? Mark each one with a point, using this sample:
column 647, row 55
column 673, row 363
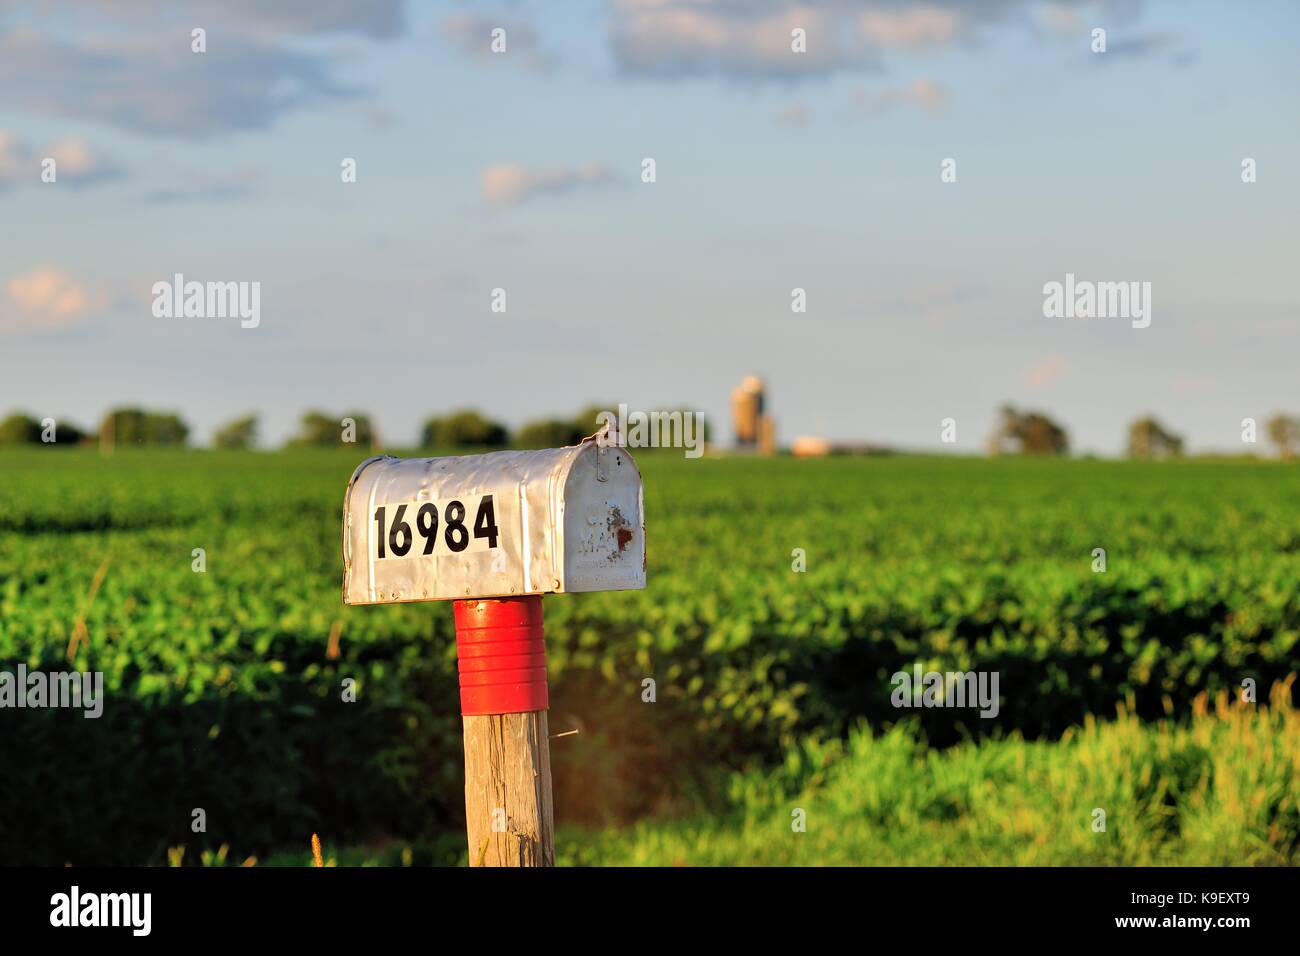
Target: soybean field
column 1142, row 619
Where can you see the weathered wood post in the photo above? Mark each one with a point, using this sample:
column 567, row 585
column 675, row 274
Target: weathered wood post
column 503, row 699
column 544, row 522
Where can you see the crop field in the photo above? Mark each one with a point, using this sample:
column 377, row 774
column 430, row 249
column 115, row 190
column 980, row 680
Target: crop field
column 1119, row 689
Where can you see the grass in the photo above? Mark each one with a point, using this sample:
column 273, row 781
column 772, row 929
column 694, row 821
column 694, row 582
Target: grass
column 1219, row 789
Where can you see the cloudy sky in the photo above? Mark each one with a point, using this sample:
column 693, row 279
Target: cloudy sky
column 775, row 170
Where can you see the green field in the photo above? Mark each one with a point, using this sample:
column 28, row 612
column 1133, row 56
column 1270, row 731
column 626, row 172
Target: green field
column 223, row 693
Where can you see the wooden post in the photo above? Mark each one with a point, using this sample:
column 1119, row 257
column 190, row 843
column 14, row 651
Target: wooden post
column 501, row 656
column 508, row 812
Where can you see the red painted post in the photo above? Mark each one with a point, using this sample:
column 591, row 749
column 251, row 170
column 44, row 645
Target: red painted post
column 501, row 657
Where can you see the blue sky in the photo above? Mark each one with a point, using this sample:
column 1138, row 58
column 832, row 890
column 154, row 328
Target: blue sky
column 522, row 170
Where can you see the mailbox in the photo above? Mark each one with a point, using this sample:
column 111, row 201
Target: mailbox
column 507, row 523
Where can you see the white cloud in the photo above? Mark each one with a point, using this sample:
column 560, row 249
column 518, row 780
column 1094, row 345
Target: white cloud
column 378, row 19
column 674, row 38
column 681, row 37
column 472, row 32
column 138, row 72
column 913, row 27
column 47, row 298
column 75, row 163
column 1060, row 18
column 508, row 183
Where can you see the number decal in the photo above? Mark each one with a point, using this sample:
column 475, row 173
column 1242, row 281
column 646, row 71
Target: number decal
column 395, row 533
column 485, row 523
column 456, row 541
column 428, row 528
column 403, row 529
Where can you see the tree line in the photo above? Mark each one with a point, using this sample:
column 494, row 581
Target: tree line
column 1017, row 432
column 463, row 428
column 1034, row 433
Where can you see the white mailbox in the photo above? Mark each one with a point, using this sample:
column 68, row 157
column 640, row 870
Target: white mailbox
column 494, row 525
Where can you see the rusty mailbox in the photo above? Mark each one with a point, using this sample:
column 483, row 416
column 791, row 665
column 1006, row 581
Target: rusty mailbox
column 502, row 524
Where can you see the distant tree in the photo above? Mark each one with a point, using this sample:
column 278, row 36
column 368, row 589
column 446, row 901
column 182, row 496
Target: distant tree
column 322, row 430
column 166, row 429
column 366, row 433
column 1028, row 433
column 240, row 433
column 550, row 433
column 318, row 428
column 20, row 429
column 125, row 426
column 465, row 428
column 1147, row 438
column 134, row 426
column 66, row 433
column 1284, row 431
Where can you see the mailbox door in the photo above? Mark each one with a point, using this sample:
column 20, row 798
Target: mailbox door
column 604, row 522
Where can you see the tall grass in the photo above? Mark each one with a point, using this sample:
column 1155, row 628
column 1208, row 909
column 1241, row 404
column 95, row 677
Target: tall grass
column 1222, row 788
